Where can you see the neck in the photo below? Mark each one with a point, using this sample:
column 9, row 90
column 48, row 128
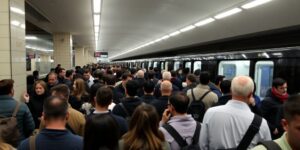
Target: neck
column 178, row 114
column 165, row 94
column 101, row 108
column 148, row 93
column 57, row 125
column 239, row 98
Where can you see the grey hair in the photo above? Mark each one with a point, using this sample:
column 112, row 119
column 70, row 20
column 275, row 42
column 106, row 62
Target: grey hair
column 242, row 86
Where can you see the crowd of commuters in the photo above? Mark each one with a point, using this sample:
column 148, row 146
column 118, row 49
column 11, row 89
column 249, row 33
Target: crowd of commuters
column 101, row 107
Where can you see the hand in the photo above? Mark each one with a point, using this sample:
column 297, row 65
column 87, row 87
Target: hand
column 166, row 116
column 275, row 132
column 26, row 97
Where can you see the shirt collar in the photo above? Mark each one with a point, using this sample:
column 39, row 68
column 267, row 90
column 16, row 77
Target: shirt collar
column 100, row 112
column 182, row 118
column 238, row 104
column 203, row 86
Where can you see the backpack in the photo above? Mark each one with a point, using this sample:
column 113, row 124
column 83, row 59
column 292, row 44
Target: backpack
column 197, row 108
column 270, row 145
column 128, row 117
column 9, row 131
column 249, row 135
column 181, row 142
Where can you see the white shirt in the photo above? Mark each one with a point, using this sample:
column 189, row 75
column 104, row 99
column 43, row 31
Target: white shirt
column 224, row 126
column 91, row 81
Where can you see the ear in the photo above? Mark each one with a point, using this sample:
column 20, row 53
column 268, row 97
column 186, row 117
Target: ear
column 284, row 124
column 95, row 100
column 67, row 116
column 42, row 117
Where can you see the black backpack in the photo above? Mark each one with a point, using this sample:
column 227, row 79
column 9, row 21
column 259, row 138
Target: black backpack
column 181, row 142
column 197, row 107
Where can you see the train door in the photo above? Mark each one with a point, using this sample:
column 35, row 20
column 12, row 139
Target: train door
column 197, row 65
column 230, row 69
column 149, row 64
column 155, row 64
column 162, row 65
column 263, row 77
column 176, row 65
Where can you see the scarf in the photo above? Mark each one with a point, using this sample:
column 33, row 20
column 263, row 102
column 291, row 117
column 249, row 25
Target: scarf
column 281, row 97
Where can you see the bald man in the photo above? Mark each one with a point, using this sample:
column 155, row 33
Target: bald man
column 162, row 102
column 225, row 126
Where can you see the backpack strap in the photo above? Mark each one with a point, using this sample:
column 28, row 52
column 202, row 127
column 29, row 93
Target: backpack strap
column 192, row 91
column 124, row 109
column 196, row 134
column 202, row 97
column 16, row 109
column 251, row 132
column 32, row 142
column 181, row 142
column 270, row 145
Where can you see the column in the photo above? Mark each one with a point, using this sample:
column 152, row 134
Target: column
column 12, row 47
column 79, row 56
column 86, row 56
column 62, row 54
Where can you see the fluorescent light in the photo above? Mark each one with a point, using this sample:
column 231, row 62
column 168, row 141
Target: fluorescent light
column 190, row 27
column 97, row 6
column 277, row 54
column 255, row 3
column 165, row 37
column 228, row 13
column 174, row 33
column 17, row 10
column 15, row 23
column 97, row 29
column 23, row 26
column 96, row 20
column 244, row 56
column 204, row 22
column 157, row 40
column 31, row 38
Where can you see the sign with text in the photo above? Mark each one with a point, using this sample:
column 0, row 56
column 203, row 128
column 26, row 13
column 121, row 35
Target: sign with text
column 101, row 54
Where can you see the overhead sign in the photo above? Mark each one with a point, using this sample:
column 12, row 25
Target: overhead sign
column 101, row 54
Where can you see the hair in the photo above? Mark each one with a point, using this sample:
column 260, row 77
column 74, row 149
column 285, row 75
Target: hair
column 35, row 73
column 219, row 79
column 87, row 71
column 80, row 89
column 104, row 96
column 42, row 83
column 125, row 75
column 60, row 70
column 151, row 74
column 166, row 75
column 278, row 82
column 55, row 108
column 204, row 77
column 30, row 80
column 98, row 74
column 166, row 86
column 101, row 132
column 69, row 73
column 191, row 78
column 149, row 86
column 140, row 74
column 133, row 71
column 110, row 79
column 6, row 86
column 225, row 86
column 131, row 87
column 180, row 102
column 143, row 130
column 291, row 107
column 242, row 86
column 52, row 74
column 61, row 91
column 173, row 73
column 197, row 72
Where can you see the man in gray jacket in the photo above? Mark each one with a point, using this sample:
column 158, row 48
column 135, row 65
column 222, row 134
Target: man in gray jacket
column 8, row 104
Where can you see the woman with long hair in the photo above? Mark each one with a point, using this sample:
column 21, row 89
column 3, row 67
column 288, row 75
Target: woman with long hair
column 143, row 131
column 79, row 94
column 35, row 100
column 101, row 133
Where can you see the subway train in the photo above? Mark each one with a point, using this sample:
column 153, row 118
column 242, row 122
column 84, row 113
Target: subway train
column 262, row 65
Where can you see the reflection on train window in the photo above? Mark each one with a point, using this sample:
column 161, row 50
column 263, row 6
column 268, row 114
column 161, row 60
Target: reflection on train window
column 188, row 65
column 149, row 64
column 231, row 69
column 155, row 64
column 197, row 65
column 263, row 77
column 176, row 65
column 162, row 65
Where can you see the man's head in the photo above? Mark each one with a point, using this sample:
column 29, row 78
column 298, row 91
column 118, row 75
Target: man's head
column 173, row 74
column 219, row 79
column 62, row 72
column 131, row 88
column 70, row 74
column 104, row 97
column 149, row 87
column 280, row 85
column 126, row 77
column 166, row 88
column 55, row 110
column 110, row 79
column 225, row 86
column 7, row 87
column 291, row 121
column 151, row 74
column 166, row 76
column 62, row 91
column 178, row 103
column 52, row 78
column 86, row 74
column 242, row 88
column 190, row 78
column 204, row 77
column 140, row 74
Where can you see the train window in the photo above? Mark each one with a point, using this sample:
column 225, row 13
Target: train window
column 166, row 66
column 263, row 77
column 149, row 64
column 188, row 65
column 162, row 65
column 176, row 65
column 143, row 65
column 231, row 69
column 197, row 65
column 155, row 64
